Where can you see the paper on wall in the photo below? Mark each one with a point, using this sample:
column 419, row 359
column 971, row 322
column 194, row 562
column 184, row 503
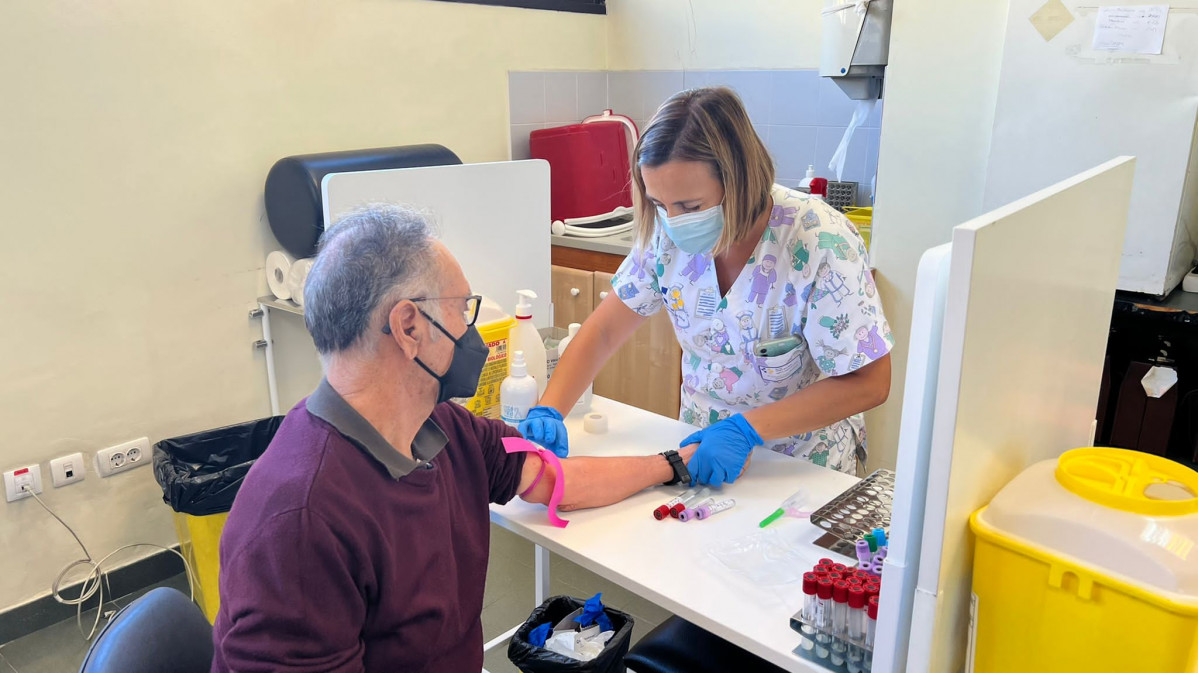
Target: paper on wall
column 1139, row 29
column 1158, row 381
column 860, row 113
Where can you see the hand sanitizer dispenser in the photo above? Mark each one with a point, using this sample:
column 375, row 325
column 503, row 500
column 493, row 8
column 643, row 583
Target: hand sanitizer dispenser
column 855, row 45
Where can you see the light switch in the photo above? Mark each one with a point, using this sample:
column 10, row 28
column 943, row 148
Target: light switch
column 67, row 470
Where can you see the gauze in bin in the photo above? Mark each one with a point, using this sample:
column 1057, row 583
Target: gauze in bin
column 200, row 473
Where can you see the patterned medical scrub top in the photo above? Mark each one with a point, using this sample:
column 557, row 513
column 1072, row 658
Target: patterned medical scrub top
column 809, row 276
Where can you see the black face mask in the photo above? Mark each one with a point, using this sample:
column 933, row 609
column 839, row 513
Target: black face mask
column 469, row 356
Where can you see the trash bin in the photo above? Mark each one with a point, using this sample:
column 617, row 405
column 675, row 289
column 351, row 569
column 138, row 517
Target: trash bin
column 199, row 475
column 530, row 658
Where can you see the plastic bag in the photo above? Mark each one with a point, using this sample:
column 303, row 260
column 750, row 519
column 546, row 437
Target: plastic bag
column 532, row 659
column 766, row 558
column 201, row 473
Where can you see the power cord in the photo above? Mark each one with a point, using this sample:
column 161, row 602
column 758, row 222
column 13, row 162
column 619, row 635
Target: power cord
column 96, row 579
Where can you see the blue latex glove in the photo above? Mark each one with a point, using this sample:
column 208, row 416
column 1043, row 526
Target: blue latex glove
column 544, row 426
column 539, row 635
column 593, row 612
column 723, row 448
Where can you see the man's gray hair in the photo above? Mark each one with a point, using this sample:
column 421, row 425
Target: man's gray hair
column 370, row 259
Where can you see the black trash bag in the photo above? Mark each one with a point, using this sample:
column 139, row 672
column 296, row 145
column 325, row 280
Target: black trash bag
column 200, row 473
column 532, row 659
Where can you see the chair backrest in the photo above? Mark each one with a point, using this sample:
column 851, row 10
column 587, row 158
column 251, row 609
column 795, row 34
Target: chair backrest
column 161, row 632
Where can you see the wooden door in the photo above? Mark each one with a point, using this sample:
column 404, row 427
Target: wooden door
column 573, row 294
column 647, row 370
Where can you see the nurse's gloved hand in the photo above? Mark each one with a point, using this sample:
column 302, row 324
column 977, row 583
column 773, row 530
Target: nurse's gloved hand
column 723, row 449
column 544, row 426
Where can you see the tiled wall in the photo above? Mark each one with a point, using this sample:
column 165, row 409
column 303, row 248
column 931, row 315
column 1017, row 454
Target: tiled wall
column 800, row 115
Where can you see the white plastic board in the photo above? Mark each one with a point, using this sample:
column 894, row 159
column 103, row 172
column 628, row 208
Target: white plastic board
column 1063, row 107
column 911, row 472
column 493, row 217
column 1031, row 286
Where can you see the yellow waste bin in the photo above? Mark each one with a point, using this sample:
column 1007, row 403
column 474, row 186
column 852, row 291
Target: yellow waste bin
column 200, row 475
column 1088, row 563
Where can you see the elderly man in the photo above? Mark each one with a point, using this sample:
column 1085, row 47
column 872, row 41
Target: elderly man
column 359, row 540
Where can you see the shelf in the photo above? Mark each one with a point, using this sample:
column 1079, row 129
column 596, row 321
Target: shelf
column 281, row 304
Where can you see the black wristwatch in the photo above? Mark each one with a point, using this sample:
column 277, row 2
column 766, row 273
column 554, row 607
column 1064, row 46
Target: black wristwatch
column 681, row 474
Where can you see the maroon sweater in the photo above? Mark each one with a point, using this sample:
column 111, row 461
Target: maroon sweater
column 330, row 561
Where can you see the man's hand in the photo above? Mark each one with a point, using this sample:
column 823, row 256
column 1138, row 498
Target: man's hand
column 723, row 449
column 544, row 426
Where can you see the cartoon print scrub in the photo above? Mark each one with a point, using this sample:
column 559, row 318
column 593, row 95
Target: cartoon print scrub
column 696, row 267
column 764, row 277
column 748, row 334
column 791, row 286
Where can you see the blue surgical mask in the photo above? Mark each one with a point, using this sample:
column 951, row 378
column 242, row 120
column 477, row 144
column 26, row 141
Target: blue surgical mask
column 693, row 232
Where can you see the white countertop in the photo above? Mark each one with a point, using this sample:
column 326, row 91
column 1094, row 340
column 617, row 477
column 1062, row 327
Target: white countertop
column 667, row 562
column 617, row 244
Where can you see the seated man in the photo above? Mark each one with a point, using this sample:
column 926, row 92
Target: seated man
column 359, row 540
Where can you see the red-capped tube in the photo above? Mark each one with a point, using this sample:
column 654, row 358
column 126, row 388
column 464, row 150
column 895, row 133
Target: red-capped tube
column 857, row 597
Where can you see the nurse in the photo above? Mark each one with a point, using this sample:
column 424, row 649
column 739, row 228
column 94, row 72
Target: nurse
column 740, row 264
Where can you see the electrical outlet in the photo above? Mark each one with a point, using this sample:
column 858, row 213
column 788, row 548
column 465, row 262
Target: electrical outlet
column 14, row 480
column 67, row 470
column 123, row 457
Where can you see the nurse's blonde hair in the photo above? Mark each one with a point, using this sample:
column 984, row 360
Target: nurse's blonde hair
column 709, row 125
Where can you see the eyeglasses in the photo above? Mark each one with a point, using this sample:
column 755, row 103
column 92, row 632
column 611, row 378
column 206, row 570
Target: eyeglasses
column 473, row 303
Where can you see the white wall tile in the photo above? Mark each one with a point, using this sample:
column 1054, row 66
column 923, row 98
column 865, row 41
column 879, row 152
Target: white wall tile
column 656, row 86
column 793, row 149
column 592, row 93
column 625, row 93
column 794, row 97
column 835, row 108
column 561, row 97
column 526, row 97
column 519, row 136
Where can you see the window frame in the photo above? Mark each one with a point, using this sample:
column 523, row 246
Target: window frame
column 575, row 6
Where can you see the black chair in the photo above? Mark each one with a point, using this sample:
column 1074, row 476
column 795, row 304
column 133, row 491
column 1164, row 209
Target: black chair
column 677, row 646
column 161, row 632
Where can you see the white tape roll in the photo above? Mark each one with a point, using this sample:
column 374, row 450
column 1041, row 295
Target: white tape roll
column 296, row 277
column 595, row 424
column 278, row 265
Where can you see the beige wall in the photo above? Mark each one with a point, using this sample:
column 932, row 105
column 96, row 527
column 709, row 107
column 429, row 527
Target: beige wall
column 712, row 34
column 135, row 137
column 941, row 89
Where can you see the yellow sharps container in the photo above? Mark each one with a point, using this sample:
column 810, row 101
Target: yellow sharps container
column 1088, row 563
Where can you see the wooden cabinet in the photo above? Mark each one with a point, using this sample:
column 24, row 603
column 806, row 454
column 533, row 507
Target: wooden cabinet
column 573, row 295
column 646, row 371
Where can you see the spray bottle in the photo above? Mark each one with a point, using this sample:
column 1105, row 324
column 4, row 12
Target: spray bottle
column 525, row 337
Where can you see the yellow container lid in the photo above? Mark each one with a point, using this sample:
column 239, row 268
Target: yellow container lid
column 1129, row 481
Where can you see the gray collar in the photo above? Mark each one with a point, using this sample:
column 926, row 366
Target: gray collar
column 327, row 404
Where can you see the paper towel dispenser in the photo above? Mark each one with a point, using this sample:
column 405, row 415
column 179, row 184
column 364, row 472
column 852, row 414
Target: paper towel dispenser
column 293, row 195
column 855, row 46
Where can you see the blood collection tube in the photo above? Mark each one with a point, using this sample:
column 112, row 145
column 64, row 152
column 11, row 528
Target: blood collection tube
column 880, row 536
column 835, row 576
column 810, row 596
column 856, row 630
column 690, row 512
column 840, row 607
column 839, row 567
column 840, row 615
column 715, row 508
column 664, row 510
column 823, row 617
column 693, row 497
column 856, row 581
column 863, row 554
column 825, row 562
column 881, row 553
column 873, row 542
column 872, row 622
column 871, row 590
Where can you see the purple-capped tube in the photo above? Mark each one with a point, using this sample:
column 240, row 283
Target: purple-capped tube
column 863, row 554
column 689, row 513
column 704, row 511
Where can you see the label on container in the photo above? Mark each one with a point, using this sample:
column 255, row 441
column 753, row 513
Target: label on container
column 821, row 614
column 512, row 414
column 973, row 632
column 485, row 402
